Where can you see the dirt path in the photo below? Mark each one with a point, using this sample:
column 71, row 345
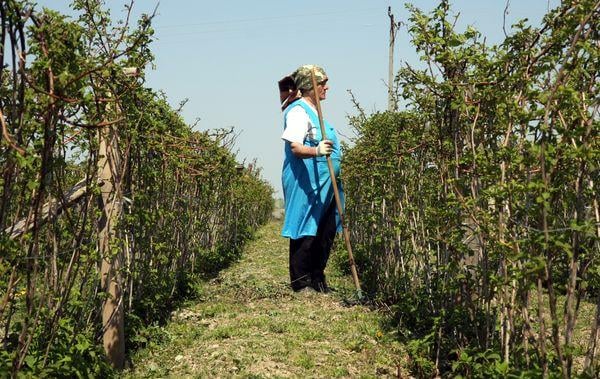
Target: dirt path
column 248, row 323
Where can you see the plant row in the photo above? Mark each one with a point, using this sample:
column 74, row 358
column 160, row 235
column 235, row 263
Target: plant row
column 177, row 203
column 474, row 210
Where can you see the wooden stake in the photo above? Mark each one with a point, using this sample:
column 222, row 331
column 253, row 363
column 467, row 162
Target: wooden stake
column 112, row 308
column 393, row 28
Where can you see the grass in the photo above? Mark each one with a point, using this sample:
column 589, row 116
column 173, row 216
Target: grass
column 581, row 331
column 249, row 324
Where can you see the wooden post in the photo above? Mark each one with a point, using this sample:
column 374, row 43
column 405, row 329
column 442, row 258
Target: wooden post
column 393, row 28
column 110, row 206
column 50, row 210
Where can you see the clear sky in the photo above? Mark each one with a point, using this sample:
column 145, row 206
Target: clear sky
column 226, row 57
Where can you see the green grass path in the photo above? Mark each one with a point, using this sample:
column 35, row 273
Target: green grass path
column 247, row 323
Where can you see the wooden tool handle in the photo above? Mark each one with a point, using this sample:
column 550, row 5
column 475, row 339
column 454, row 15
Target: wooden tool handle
column 336, row 192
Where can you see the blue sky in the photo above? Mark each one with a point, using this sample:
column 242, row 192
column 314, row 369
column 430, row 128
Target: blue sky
column 226, row 57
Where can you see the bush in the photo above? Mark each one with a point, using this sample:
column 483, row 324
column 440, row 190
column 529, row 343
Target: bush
column 473, row 211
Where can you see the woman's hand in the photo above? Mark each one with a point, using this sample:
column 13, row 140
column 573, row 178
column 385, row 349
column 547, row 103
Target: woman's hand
column 325, row 148
column 301, row 151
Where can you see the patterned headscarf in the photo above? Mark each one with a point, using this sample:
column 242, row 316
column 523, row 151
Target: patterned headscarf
column 302, row 76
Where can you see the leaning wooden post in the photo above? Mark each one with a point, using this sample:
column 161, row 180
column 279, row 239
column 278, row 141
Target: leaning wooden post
column 110, row 206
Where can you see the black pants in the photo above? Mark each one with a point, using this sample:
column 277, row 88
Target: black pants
column 309, row 255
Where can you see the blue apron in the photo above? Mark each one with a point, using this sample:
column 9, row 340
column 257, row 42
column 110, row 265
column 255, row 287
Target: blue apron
column 307, row 187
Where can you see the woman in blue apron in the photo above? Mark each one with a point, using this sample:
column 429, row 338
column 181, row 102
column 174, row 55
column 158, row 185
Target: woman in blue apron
column 311, row 219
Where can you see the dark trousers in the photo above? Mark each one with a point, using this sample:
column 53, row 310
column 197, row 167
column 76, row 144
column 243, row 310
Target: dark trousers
column 309, row 255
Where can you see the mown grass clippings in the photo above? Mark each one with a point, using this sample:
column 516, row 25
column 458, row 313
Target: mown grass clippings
column 250, row 324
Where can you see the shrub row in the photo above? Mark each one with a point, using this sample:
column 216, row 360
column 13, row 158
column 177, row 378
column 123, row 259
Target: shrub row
column 474, row 210
column 183, row 207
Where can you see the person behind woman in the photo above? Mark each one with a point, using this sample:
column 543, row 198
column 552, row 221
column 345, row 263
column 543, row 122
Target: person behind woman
column 311, row 219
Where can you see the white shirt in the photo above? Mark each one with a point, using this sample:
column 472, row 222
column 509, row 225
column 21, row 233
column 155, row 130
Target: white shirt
column 298, row 126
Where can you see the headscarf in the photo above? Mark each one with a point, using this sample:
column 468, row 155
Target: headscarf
column 303, row 79
column 290, row 86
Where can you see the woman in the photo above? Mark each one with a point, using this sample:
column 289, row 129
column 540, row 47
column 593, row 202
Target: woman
column 311, row 218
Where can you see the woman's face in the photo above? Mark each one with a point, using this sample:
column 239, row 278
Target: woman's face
column 322, row 88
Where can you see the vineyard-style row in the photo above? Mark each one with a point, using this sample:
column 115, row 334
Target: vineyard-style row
column 474, row 211
column 110, row 204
